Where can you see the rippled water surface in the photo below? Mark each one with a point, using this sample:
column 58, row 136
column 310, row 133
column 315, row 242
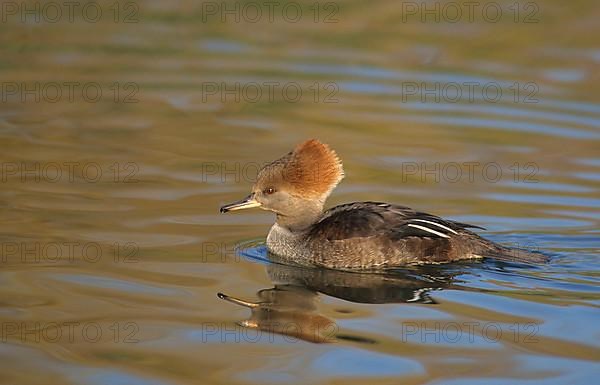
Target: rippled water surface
column 113, row 250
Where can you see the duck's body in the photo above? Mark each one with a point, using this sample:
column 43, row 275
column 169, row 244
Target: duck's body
column 374, row 235
column 360, row 235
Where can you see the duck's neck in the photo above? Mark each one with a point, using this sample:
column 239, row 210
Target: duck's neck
column 301, row 219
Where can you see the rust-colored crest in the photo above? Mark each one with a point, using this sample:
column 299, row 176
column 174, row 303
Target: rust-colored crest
column 312, row 169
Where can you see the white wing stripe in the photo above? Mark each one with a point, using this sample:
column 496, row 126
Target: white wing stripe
column 436, row 224
column 429, row 230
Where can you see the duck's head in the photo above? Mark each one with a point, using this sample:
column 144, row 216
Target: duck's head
column 296, row 185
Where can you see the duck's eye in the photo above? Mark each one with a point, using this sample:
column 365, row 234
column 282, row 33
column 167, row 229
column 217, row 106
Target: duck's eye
column 269, row 190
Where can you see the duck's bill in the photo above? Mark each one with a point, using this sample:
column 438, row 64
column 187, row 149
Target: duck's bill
column 246, row 203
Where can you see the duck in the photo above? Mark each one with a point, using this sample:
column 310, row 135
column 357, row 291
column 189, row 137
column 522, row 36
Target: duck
column 359, row 235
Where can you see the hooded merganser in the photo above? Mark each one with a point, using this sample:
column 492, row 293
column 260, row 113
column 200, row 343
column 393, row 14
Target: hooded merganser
column 359, row 235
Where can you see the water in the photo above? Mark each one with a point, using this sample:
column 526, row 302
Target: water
column 113, row 250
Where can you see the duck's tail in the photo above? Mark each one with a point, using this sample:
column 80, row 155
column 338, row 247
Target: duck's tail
column 510, row 254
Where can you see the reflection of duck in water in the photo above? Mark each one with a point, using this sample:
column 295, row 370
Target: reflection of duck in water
column 360, row 235
column 288, row 310
column 290, row 307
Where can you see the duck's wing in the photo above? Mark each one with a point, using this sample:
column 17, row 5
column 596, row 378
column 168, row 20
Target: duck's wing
column 405, row 236
column 366, row 219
